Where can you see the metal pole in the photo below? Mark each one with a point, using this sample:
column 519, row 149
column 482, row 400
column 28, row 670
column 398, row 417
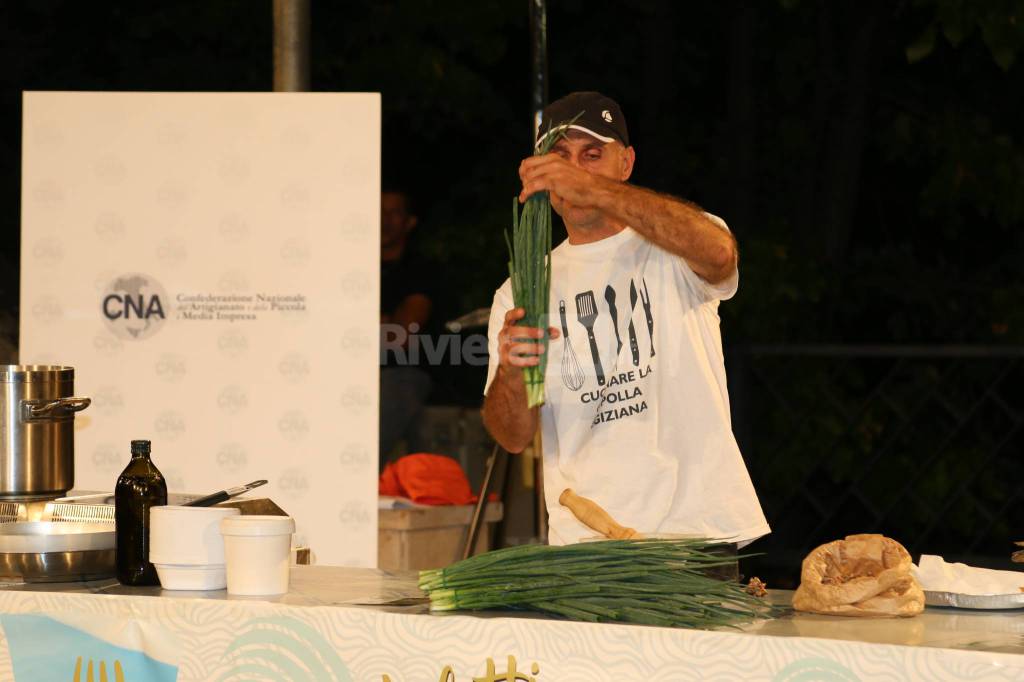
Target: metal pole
column 291, row 45
column 539, row 61
column 539, row 99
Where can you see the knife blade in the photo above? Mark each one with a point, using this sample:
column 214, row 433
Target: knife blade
column 210, row 500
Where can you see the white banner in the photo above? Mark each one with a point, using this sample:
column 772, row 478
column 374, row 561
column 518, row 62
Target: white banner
column 209, row 264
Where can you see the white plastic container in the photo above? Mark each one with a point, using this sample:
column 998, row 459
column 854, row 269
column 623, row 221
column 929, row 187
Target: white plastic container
column 258, row 553
column 186, row 577
column 186, row 546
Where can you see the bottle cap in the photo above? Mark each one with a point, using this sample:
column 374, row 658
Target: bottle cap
column 140, row 447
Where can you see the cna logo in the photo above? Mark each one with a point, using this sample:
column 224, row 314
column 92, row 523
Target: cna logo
column 109, row 227
column 169, row 424
column 233, row 168
column 110, row 170
column 133, row 306
column 233, row 399
column 232, row 343
column 355, row 338
column 48, row 252
column 107, row 400
column 355, row 399
column 170, row 367
column 295, row 252
column 233, row 281
column 172, row 194
column 354, row 514
column 357, row 227
column 293, row 425
column 233, row 228
column 106, row 345
column 355, row 285
column 293, row 483
column 107, row 458
column 293, row 367
column 172, row 251
column 295, row 197
column 47, row 193
column 47, row 309
column 354, row 457
column 232, row 457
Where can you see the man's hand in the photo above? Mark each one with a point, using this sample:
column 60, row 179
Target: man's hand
column 506, row 415
column 565, row 181
column 519, row 346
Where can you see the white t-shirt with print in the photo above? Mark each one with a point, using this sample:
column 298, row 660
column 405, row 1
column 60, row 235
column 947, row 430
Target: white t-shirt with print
column 636, row 412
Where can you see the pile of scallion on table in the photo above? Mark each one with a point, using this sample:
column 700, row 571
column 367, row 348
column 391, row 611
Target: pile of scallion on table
column 653, row 582
column 529, row 266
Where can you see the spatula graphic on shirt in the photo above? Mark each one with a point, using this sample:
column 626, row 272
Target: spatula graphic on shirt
column 586, row 313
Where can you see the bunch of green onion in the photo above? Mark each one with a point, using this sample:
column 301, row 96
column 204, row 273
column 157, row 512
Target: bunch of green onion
column 529, row 267
column 653, row 582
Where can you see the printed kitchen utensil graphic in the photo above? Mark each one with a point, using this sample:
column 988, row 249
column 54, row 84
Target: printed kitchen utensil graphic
column 572, row 373
column 634, row 348
column 586, row 313
column 609, row 296
column 646, row 298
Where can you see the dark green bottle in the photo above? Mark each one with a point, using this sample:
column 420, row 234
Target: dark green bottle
column 139, row 487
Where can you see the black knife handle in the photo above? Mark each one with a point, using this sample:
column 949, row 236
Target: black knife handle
column 596, row 357
column 634, row 348
column 209, row 500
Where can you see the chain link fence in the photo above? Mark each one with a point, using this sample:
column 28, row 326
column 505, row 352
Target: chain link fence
column 921, row 443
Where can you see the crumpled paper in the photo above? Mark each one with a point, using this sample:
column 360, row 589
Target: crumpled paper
column 937, row 575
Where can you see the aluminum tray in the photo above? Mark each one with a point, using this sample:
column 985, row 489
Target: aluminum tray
column 46, row 551
column 974, row 601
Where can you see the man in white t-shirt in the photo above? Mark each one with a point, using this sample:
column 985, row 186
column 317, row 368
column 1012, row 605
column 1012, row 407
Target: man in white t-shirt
column 636, row 412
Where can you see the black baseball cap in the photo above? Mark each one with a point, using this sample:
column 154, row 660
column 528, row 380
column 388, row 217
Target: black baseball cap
column 599, row 116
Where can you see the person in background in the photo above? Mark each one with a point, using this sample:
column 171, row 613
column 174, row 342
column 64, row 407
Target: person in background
column 405, row 310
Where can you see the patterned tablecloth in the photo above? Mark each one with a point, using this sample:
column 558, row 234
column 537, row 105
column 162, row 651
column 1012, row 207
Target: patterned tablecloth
column 359, row 624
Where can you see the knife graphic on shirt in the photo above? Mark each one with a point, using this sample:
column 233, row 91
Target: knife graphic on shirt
column 646, row 298
column 633, row 347
column 609, row 296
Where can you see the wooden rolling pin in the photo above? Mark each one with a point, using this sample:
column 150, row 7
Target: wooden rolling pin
column 593, row 516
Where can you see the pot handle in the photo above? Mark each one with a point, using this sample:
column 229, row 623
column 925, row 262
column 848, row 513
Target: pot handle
column 61, row 407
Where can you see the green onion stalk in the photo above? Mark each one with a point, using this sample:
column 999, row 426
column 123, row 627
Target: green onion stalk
column 653, row 582
column 529, row 267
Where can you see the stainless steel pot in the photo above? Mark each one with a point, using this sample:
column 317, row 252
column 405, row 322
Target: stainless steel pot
column 37, row 431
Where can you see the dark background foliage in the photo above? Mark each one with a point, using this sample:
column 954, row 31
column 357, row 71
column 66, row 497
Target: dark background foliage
column 868, row 155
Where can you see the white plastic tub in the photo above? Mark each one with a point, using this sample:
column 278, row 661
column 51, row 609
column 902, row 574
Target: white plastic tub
column 257, row 550
column 187, row 535
column 191, row 577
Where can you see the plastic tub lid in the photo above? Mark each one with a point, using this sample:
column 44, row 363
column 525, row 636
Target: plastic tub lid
column 257, row 525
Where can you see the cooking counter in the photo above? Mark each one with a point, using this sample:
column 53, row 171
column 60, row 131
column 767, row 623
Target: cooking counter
column 368, row 624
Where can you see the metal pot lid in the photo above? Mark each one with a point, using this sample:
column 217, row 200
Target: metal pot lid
column 55, row 536
column 11, row 374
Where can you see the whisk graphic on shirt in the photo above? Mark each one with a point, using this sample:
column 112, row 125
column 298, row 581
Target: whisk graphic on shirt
column 572, row 372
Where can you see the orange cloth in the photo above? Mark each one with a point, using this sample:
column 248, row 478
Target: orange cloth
column 427, row 479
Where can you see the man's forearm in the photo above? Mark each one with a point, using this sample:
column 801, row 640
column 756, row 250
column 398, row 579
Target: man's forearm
column 506, row 416
column 675, row 225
